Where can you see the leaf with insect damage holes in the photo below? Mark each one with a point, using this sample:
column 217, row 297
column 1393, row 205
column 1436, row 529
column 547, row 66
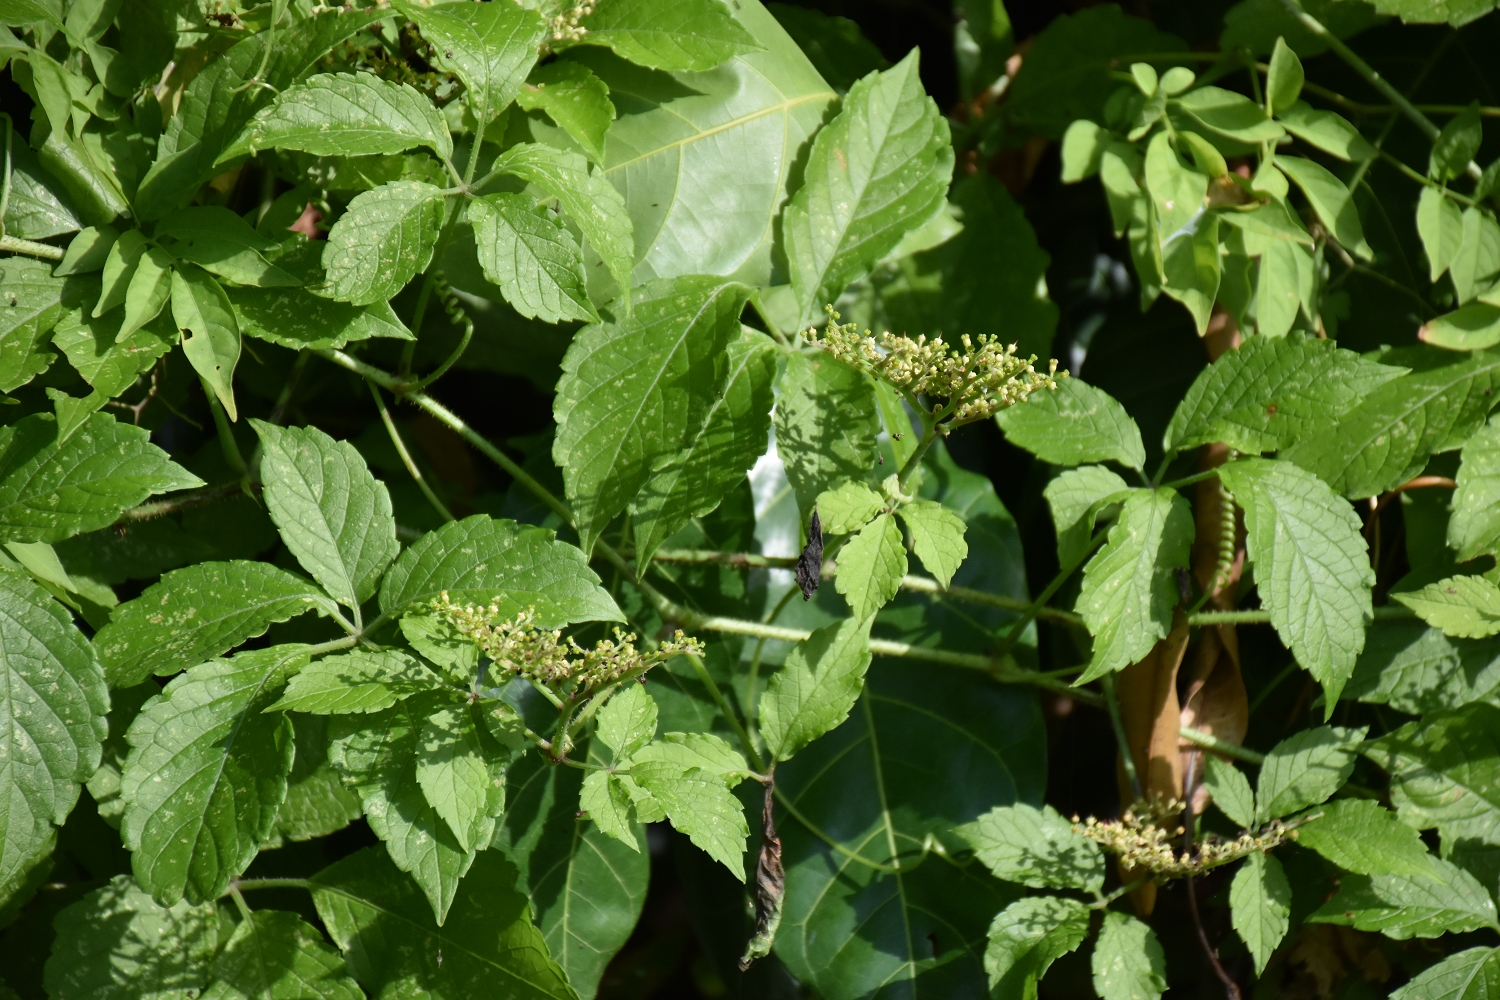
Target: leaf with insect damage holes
column 532, row 257
column 386, row 236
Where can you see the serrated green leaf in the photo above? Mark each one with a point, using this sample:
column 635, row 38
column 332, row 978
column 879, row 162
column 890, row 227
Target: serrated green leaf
column 116, row 941
column 937, row 537
column 1271, row 392
column 29, row 309
column 1417, row 669
column 386, row 236
column 1474, row 526
column 1331, row 200
column 1128, row 961
column 1446, row 899
column 1478, row 256
column 1128, row 587
column 216, row 239
column 628, row 721
column 1305, row 769
column 871, row 565
column 391, row 944
column 274, row 955
column 1231, row 791
column 1327, row 131
column 1469, row 975
column 51, row 490
column 531, row 257
column 462, row 774
column 880, row 168
column 1075, row 498
column 1445, row 772
column 333, row 515
column 1440, row 225
column 489, row 48
column 690, row 35
column 1074, row 424
column 817, row 686
column 104, row 785
column 296, row 318
column 1283, row 79
column 1027, row 937
column 700, row 805
column 206, row 773
column 638, row 389
column 316, row 803
column 733, row 434
column 514, row 565
column 604, row 797
column 701, row 750
column 575, row 99
column 826, row 425
column 212, row 336
column 437, row 639
column 197, row 613
column 845, row 509
column 1035, row 847
column 119, row 267
column 1311, row 566
column 52, row 720
column 1366, row 838
column 93, row 347
column 1467, row 607
column 1260, row 901
column 346, row 114
column 358, row 681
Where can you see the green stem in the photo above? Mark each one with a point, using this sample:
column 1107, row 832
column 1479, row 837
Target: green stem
column 1424, row 180
column 11, row 244
column 1103, row 901
column 729, row 713
column 248, row 884
column 929, row 435
column 406, row 458
column 1178, row 484
column 1210, row 742
column 765, row 318
column 560, row 741
column 239, row 901
column 456, row 315
column 1126, row 757
column 227, row 443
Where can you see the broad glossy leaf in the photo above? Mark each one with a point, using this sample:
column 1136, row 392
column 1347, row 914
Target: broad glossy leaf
column 1074, row 424
column 732, row 435
column 1445, row 772
column 826, row 425
column 1473, row 974
column 50, row 490
column 1474, row 526
column 1128, row 587
column 385, row 238
column 38, row 206
column 1311, row 566
column 1075, row 498
column 1327, row 131
column 1260, row 901
column 333, row 515
column 1035, row 847
column 871, row 565
column 1305, row 769
column 296, row 318
column 346, row 114
column 1366, row 838
column 1192, row 268
column 937, row 537
column 1473, row 327
column 462, row 774
column 117, row 941
column 636, row 391
column 1027, row 937
column 817, row 686
column 878, row 170
column 1231, row 791
column 700, row 805
column 206, row 773
column 1331, row 200
column 1128, row 961
column 532, row 257
column 1417, row 669
column 211, row 340
column 316, row 803
column 119, row 267
column 357, row 681
column 490, row 48
column 275, row 955
column 215, row 238
column 688, row 35
column 1446, row 899
column 197, row 613
column 575, row 99
column 481, row 559
column 1466, row 607
column 1440, row 224
column 52, row 723
column 388, row 937
column 29, row 308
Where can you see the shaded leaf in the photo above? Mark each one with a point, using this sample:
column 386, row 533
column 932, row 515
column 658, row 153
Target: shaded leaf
column 1231, row 791
column 826, row 425
column 817, row 686
column 574, row 98
column 1035, row 847
column 1445, row 900
column 216, row 239
column 1128, row 961
column 1445, row 772
column 1027, row 937
column 212, row 337
column 274, row 955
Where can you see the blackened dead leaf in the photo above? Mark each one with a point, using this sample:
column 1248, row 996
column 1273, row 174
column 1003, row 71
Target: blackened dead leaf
column 810, row 562
column 770, row 877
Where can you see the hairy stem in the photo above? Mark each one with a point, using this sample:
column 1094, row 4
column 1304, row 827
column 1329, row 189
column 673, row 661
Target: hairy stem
column 1210, row 742
column 726, row 709
column 12, row 244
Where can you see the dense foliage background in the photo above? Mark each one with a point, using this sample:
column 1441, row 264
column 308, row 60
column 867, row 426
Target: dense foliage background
column 276, row 340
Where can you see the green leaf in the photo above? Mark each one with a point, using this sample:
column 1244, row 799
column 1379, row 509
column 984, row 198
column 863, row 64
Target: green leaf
column 39, row 207
column 1417, row 669
column 489, row 48
column 937, row 537
column 837, row 48
column 1283, row 79
column 86, row 252
column 273, row 955
column 1128, row 587
column 1364, row 837
column 532, row 257
column 1075, row 498
column 628, row 721
column 148, row 292
column 1467, row 607
column 51, row 490
column 1027, row 937
column 357, row 681
column 702, row 750
column 826, row 425
column 316, row 803
column 20, row 12
column 713, row 459
column 216, row 239
column 1128, row 961
column 1191, row 268
column 516, row 566
column 1231, row 791
column 1311, row 566
column 1478, row 256
column 1456, row 145
column 109, row 364
column 1231, row 115
column 52, row 723
column 635, row 390
column 817, row 686
column 1260, row 901
column 575, row 99
column 1271, row 392
column 296, row 318
column 1445, row 772
column 1331, row 200
column 377, row 755
column 1446, row 899
column 333, row 515
column 588, row 199
column 1411, row 418
column 871, row 565
column 197, row 613
column 607, row 801
column 119, row 267
column 1469, row 975
column 386, row 236
column 1075, row 424
column 392, row 946
column 346, row 114
column 845, row 509
column 877, row 170
column 1440, row 224
column 1082, row 147
column 1035, row 847
column 1327, row 131
column 1473, row 327
column 1305, row 769
column 688, row 35
column 1176, row 192
column 700, row 805
column 212, row 337
column 206, row 773
column 462, row 774
column 116, row 941
column 1474, row 526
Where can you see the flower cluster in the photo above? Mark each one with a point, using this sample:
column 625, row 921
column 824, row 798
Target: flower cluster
column 1143, row 840
column 983, row 378
column 566, row 26
column 520, row 648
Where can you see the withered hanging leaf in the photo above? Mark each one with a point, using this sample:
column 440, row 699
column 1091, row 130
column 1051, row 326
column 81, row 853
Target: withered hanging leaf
column 810, row 562
column 770, row 877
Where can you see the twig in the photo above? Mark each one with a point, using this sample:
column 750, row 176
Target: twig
column 1210, row 742
column 161, row 508
column 12, row 244
column 1231, row 988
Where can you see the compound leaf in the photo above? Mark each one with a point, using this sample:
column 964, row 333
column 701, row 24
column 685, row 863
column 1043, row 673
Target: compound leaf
column 871, row 565
column 574, row 98
column 462, row 774
column 1445, row 899
column 1231, row 791
column 699, row 804
column 937, row 537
